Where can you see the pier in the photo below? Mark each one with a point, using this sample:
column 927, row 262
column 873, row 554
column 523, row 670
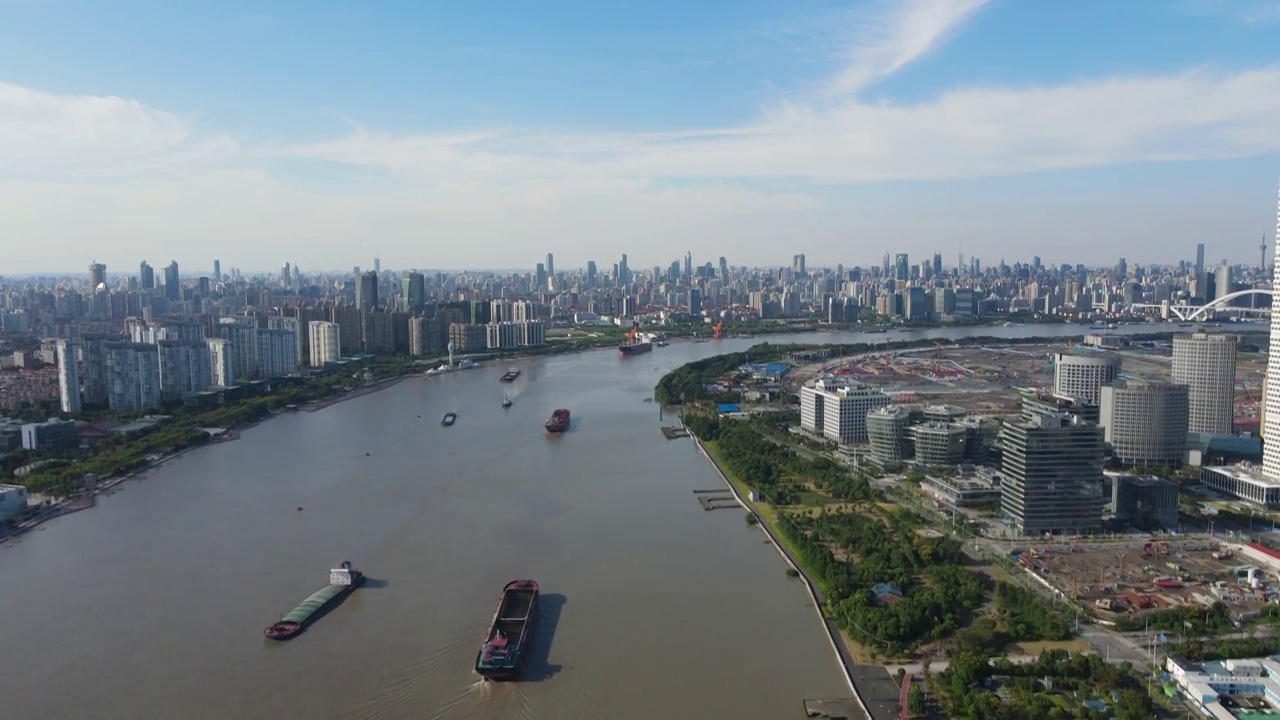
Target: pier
column 674, row 432
column 716, row 499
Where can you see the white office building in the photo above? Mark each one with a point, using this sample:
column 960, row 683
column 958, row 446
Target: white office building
column 325, row 345
column 277, row 353
column 68, row 377
column 222, row 362
column 1271, row 402
column 837, row 410
column 1081, row 377
column 1206, row 364
column 1145, row 422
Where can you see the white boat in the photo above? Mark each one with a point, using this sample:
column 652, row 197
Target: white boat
column 465, row 364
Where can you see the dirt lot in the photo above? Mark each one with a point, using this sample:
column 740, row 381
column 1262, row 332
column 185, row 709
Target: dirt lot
column 1127, row 574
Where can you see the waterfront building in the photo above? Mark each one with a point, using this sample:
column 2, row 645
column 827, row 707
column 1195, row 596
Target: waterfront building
column 1206, row 364
column 844, row 408
column 13, row 501
column 1052, row 473
column 1081, row 377
column 133, row 377
column 968, row 487
column 1243, row 482
column 277, row 352
column 222, row 362
column 68, row 377
column 502, row 335
column 533, row 333
column 51, row 434
column 1145, row 502
column 1145, row 422
column 325, row 342
column 93, row 361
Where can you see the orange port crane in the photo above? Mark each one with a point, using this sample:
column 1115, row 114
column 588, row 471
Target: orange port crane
column 715, row 331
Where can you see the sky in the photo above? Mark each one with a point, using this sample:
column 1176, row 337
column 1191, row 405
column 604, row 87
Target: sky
column 484, row 134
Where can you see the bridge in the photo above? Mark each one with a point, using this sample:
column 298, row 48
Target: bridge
column 1191, row 313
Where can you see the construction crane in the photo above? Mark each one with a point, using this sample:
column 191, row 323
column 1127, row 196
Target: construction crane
column 715, row 331
column 937, row 349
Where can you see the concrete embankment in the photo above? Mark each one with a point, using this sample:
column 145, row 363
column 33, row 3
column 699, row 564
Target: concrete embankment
column 852, row 672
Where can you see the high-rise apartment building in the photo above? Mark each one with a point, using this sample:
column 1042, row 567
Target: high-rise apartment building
column 242, row 333
column 222, row 362
column 277, row 352
column 1052, row 467
column 97, row 275
column 326, row 346
column 413, row 291
column 1206, row 364
column 1081, row 377
column 901, row 268
column 68, row 377
column 1145, row 422
column 133, row 377
column 184, row 367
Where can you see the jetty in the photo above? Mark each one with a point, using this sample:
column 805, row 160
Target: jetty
column 834, row 709
column 675, row 432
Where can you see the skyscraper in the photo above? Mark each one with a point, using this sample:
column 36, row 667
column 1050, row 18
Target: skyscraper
column 901, row 267
column 591, row 273
column 1271, row 399
column 171, row 287
column 68, row 377
column 377, row 265
column 1199, row 288
column 413, row 291
column 217, row 271
column 1052, row 467
column 1206, row 364
column 688, row 265
column 97, row 275
column 146, row 276
column 551, row 265
column 367, row 291
column 325, row 343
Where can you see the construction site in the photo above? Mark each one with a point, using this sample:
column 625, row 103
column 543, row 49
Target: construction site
column 1116, row 579
column 984, row 379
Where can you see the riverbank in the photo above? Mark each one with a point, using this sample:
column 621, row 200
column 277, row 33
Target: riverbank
column 860, row 678
column 84, row 501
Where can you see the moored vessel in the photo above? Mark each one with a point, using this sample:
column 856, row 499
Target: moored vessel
column 503, row 650
column 559, row 421
column 634, row 345
column 510, row 375
column 342, row 580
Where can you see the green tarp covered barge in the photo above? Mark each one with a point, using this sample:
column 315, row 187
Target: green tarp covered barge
column 342, row 580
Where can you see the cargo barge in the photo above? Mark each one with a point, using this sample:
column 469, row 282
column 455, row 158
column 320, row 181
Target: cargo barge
column 559, row 421
column 342, row 580
column 502, row 653
column 510, row 375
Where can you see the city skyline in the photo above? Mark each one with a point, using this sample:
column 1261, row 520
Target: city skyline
column 844, row 128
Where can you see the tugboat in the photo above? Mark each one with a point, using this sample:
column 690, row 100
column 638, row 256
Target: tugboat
column 342, row 580
column 500, row 656
column 558, row 422
column 506, row 401
column 449, row 419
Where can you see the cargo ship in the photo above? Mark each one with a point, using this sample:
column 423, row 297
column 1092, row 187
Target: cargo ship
column 501, row 654
column 510, row 375
column 449, row 419
column 559, row 421
column 342, row 580
column 634, row 345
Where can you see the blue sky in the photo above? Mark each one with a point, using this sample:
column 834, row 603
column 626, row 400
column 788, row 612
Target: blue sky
column 484, row 134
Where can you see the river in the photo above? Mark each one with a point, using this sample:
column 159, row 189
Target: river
column 151, row 605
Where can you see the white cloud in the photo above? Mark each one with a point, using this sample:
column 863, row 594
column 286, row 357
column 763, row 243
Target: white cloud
column 81, row 170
